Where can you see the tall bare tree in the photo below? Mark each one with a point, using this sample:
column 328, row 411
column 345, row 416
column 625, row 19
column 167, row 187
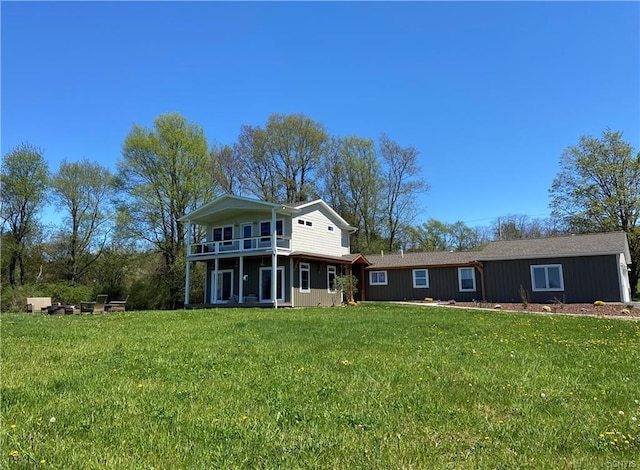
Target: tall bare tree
column 23, row 184
column 281, row 160
column 403, row 184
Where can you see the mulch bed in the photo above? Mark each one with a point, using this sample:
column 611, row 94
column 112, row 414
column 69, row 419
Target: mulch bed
column 609, row 309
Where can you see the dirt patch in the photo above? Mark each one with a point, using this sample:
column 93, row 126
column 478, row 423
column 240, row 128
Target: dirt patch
column 608, row 309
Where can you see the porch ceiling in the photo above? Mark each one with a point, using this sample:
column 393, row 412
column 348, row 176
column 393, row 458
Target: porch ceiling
column 220, row 208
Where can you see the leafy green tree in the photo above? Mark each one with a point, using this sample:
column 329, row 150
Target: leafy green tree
column 352, row 186
column 435, row 235
column 598, row 190
column 166, row 172
column 23, row 184
column 85, row 191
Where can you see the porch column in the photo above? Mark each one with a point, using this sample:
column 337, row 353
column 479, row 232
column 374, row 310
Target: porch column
column 241, row 280
column 215, row 281
column 188, row 267
column 274, row 259
column 186, row 283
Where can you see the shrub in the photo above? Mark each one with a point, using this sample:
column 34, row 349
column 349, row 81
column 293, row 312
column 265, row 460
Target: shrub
column 599, row 303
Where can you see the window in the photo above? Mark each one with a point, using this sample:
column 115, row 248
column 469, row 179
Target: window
column 467, row 279
column 420, row 278
column 547, row 277
column 223, row 233
column 330, row 228
column 378, row 278
column 331, row 279
column 306, row 223
column 265, row 230
column 246, row 233
column 305, row 272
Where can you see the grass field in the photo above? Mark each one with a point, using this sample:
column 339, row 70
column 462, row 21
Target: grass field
column 375, row 386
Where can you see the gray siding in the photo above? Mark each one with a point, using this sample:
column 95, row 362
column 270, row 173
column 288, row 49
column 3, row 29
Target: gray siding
column 443, row 285
column 586, row 279
column 252, row 271
column 319, row 294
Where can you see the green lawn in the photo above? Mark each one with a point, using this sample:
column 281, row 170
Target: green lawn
column 375, row 386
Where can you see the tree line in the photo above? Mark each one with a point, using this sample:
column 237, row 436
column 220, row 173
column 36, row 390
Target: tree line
column 120, row 233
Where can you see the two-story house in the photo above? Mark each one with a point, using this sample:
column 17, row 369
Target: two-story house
column 267, row 253
column 257, row 252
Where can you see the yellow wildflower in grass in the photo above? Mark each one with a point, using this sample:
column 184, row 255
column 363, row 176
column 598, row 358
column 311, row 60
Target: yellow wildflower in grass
column 13, row 426
column 14, row 454
column 139, row 385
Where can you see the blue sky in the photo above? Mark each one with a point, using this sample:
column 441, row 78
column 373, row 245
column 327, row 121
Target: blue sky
column 490, row 93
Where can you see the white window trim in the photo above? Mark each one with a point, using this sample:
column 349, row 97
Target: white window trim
column 546, row 275
column 415, row 286
column 331, row 269
column 304, row 222
column 305, row 267
column 371, row 283
column 223, row 241
column 473, row 278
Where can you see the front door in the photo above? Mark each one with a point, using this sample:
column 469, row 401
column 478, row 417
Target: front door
column 224, row 287
column 265, row 284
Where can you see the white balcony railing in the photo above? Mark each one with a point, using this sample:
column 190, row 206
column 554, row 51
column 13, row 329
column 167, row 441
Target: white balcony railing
column 238, row 245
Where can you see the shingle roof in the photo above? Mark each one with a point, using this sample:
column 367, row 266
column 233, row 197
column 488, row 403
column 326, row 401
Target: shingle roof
column 571, row 245
column 432, row 258
column 553, row 247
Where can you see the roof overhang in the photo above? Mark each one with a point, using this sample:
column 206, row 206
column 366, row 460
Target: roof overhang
column 351, row 259
column 222, row 207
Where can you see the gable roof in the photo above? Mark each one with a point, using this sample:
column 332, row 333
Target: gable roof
column 593, row 244
column 225, row 204
column 319, row 202
column 424, row 259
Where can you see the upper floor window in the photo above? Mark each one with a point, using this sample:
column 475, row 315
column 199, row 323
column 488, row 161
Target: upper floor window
column 420, row 278
column 547, row 277
column 223, row 233
column 378, row 278
column 467, row 279
column 305, row 222
column 265, row 229
column 330, row 228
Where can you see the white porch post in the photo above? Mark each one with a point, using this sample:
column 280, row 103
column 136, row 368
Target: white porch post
column 215, row 281
column 274, row 259
column 188, row 267
column 291, row 274
column 186, row 283
column 241, row 280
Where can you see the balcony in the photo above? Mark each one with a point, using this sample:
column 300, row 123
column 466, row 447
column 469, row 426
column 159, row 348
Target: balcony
column 237, row 246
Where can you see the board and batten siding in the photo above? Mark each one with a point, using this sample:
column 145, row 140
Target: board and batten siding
column 443, row 285
column 586, row 279
column 317, row 238
column 318, row 294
